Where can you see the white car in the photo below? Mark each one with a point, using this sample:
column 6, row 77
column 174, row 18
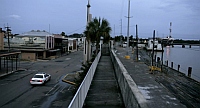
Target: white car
column 40, row 78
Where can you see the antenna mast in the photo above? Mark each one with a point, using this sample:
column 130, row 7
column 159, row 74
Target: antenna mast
column 170, row 30
column 121, row 33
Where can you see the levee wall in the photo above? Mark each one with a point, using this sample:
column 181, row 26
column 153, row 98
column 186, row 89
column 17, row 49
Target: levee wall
column 132, row 96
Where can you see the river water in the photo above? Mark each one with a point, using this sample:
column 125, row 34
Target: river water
column 185, row 57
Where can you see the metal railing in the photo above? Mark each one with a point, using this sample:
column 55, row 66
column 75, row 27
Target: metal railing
column 79, row 98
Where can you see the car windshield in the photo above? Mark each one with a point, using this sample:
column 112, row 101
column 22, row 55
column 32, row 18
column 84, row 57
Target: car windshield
column 38, row 76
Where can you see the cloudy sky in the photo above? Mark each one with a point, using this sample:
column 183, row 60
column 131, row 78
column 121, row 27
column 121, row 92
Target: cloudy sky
column 69, row 16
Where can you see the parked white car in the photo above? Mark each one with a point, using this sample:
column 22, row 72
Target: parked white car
column 40, row 78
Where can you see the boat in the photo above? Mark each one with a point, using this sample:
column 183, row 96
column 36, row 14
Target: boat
column 167, row 41
column 157, row 45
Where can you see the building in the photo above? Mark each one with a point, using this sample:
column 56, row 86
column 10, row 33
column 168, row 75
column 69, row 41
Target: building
column 1, row 39
column 72, row 44
column 61, row 43
column 78, row 37
column 33, row 44
column 38, row 44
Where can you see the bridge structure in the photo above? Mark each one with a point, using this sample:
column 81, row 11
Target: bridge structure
column 186, row 44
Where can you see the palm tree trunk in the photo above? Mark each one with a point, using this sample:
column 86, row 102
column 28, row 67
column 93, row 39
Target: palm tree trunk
column 89, row 51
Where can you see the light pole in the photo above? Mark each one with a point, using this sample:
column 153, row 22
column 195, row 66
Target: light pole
column 88, row 12
column 87, row 46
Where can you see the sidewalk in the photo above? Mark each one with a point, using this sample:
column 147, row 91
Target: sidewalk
column 104, row 91
column 156, row 95
column 5, row 71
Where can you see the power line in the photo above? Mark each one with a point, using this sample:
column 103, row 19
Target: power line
column 122, row 8
column 76, row 30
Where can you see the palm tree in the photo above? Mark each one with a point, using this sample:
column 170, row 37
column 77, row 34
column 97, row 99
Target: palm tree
column 97, row 28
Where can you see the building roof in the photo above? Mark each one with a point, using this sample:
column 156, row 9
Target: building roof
column 36, row 33
column 58, row 36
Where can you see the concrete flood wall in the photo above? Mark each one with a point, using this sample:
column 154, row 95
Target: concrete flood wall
column 132, row 96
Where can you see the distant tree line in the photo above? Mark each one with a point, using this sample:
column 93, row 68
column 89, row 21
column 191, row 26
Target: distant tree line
column 187, row 41
column 75, row 35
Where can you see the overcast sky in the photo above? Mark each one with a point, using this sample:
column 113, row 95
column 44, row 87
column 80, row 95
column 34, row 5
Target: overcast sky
column 69, row 16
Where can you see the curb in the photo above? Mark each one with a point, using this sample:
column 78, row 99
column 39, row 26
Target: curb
column 73, row 83
column 8, row 73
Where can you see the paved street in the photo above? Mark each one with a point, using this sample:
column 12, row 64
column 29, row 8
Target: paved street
column 16, row 89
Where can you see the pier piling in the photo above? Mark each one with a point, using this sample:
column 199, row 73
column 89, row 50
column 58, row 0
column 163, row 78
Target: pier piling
column 158, row 59
column 167, row 63
column 172, row 65
column 179, row 67
column 189, row 71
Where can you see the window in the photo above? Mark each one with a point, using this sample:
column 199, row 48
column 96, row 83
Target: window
column 38, row 76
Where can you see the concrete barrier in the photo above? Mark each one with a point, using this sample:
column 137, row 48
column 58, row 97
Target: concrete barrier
column 132, row 96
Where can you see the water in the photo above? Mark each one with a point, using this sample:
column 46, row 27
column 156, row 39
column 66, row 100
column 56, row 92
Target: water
column 185, row 57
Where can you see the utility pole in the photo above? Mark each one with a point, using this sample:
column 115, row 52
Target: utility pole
column 162, row 56
column 49, row 28
column 114, row 30
column 121, row 33
column 153, row 48
column 8, row 31
column 128, row 26
column 137, row 42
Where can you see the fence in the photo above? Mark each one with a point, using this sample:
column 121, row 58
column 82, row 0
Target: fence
column 79, row 98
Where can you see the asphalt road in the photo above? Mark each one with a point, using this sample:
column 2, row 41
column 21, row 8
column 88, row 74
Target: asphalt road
column 16, row 91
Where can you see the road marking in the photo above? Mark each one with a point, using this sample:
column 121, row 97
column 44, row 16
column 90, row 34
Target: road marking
column 67, row 58
column 62, row 90
column 54, row 90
